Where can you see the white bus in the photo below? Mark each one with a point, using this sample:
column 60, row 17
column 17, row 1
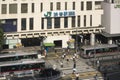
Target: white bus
column 91, row 51
column 17, row 56
column 25, row 67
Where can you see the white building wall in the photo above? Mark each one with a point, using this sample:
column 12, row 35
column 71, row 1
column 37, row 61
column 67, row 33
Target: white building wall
column 37, row 15
column 111, row 18
column 106, row 17
column 115, row 19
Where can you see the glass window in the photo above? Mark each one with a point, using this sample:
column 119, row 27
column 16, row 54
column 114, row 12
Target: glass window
column 24, row 8
column 49, row 23
column 98, row 5
column 73, row 5
column 82, row 6
column 58, row 6
column 84, row 20
column 4, row 9
column 57, row 22
column 65, row 5
column 51, row 6
column 41, row 7
column 90, row 20
column 65, row 22
column 33, row 7
column 42, row 23
column 73, row 21
column 23, row 24
column 89, row 5
column 78, row 21
column 31, row 22
column 12, row 8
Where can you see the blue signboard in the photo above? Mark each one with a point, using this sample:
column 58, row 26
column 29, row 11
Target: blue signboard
column 59, row 13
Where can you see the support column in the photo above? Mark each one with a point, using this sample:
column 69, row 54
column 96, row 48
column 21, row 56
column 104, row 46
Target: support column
column 45, row 24
column 110, row 41
column 53, row 23
column 92, row 39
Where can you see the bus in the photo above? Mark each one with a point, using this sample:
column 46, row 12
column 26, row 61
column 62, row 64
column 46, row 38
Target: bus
column 100, row 49
column 21, row 68
column 17, row 56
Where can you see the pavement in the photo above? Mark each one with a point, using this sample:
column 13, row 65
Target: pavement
column 86, row 72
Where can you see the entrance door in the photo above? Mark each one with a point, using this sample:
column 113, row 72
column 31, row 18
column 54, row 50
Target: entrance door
column 58, row 43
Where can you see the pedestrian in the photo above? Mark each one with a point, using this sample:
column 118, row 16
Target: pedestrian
column 95, row 77
column 73, row 58
column 77, row 76
column 61, row 64
column 54, row 66
column 74, row 67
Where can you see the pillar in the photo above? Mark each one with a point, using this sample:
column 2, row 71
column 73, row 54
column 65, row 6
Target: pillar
column 110, row 41
column 92, row 39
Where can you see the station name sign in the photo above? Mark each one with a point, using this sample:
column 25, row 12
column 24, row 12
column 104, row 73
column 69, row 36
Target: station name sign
column 65, row 13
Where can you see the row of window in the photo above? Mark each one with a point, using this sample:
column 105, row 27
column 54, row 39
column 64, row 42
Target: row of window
column 112, row 1
column 57, row 22
column 51, row 22
column 13, row 8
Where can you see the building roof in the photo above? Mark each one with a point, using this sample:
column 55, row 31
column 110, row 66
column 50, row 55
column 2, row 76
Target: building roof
column 109, row 35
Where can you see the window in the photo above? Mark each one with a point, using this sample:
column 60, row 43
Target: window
column 65, row 22
column 82, row 6
column 51, row 6
column 49, row 23
column 41, row 7
column 42, row 23
column 112, row 1
column 73, row 5
column 57, row 22
column 65, row 5
column 33, row 7
column 23, row 24
column 98, row 5
column 89, row 5
column 12, row 8
column 78, row 21
column 24, row 8
column 84, row 20
column 73, row 21
column 4, row 9
column 58, row 6
column 31, row 22
column 90, row 20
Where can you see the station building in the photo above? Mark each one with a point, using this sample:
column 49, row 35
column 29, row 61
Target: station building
column 30, row 22
column 111, row 21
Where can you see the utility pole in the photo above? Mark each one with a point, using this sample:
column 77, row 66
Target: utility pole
column 76, row 45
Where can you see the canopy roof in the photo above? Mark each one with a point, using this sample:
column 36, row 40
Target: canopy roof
column 49, row 44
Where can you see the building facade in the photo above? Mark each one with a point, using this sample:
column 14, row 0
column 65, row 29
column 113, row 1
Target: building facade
column 110, row 20
column 58, row 21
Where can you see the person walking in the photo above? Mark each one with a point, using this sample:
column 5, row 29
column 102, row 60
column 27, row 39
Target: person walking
column 61, row 64
column 77, row 76
column 74, row 67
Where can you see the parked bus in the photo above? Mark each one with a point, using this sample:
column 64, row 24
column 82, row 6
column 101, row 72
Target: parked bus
column 17, row 56
column 25, row 67
column 91, row 51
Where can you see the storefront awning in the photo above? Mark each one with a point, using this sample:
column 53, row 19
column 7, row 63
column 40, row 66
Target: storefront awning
column 49, row 44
